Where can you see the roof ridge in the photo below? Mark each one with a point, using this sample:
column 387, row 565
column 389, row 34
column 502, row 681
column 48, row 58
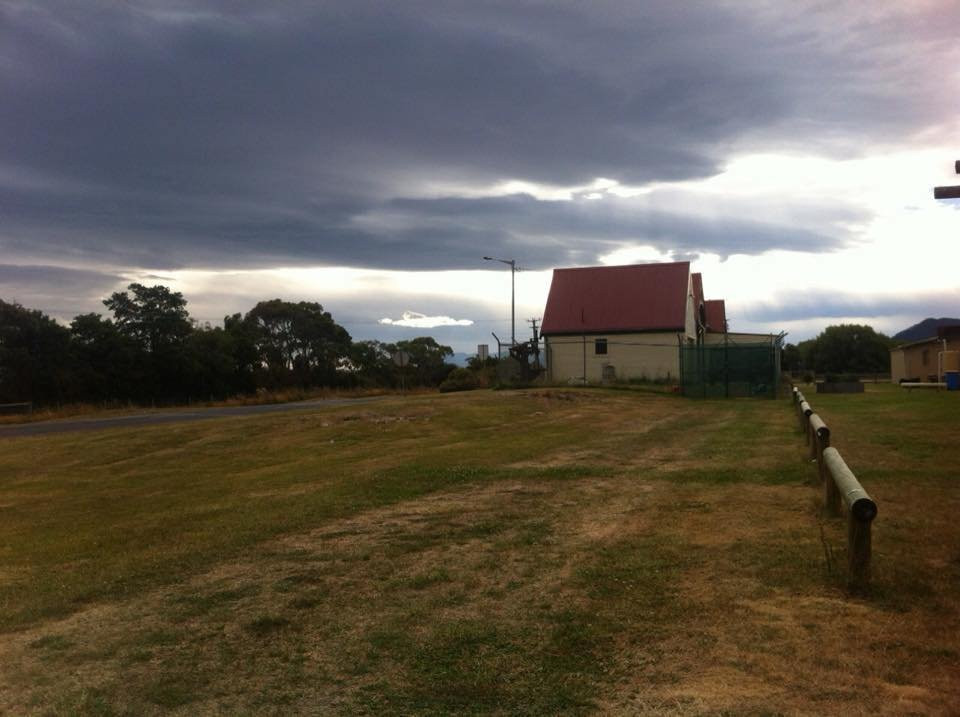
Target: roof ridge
column 622, row 266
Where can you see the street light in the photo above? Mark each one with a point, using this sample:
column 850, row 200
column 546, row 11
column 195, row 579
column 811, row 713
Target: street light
column 948, row 192
column 512, row 263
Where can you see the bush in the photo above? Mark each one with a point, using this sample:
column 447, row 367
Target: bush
column 841, row 378
column 460, row 379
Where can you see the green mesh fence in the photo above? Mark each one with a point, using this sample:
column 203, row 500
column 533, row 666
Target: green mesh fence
column 730, row 370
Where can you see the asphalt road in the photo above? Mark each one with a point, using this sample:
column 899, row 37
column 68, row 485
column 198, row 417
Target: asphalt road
column 67, row 425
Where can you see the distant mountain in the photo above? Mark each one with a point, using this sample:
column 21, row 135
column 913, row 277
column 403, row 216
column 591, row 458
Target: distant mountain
column 925, row 329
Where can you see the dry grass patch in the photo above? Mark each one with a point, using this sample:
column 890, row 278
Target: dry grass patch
column 497, row 558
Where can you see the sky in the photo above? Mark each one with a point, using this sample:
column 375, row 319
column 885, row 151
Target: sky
column 368, row 155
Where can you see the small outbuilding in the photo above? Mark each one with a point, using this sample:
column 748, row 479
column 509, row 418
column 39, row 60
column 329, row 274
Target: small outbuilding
column 927, row 360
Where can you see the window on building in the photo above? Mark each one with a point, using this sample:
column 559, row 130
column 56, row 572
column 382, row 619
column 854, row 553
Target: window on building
column 926, row 357
column 600, row 346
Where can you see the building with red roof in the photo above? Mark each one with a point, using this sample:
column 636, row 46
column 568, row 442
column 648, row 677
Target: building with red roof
column 715, row 311
column 619, row 322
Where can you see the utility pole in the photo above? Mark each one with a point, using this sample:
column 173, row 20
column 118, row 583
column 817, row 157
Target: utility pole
column 536, row 336
column 512, row 263
column 952, row 192
column 535, row 344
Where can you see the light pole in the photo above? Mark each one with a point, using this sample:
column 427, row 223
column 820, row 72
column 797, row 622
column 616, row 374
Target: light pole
column 512, row 263
column 948, row 192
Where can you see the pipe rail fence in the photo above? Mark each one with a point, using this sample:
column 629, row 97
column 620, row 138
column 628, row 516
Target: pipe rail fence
column 842, row 492
column 7, row 409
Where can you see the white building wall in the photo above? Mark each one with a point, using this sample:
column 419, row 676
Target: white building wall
column 641, row 355
column 691, row 313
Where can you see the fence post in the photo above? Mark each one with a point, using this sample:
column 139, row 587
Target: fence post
column 831, row 498
column 805, row 412
column 818, row 430
column 861, row 510
column 859, row 543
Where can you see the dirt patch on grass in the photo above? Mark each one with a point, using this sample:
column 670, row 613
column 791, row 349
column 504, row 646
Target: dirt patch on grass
column 470, row 574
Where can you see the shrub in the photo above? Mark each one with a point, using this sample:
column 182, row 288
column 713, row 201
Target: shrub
column 460, row 379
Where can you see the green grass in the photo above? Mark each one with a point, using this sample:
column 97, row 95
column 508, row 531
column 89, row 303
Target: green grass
column 552, row 551
column 120, row 511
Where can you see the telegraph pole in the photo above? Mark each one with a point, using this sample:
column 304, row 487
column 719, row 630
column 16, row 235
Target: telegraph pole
column 536, row 336
column 512, row 263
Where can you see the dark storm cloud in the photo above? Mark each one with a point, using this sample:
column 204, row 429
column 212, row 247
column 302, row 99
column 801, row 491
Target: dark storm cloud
column 164, row 135
column 408, row 233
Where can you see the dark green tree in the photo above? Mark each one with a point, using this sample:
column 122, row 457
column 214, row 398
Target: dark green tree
column 428, row 359
column 850, row 348
column 106, row 364
column 246, row 356
column 214, row 371
column 34, row 360
column 157, row 320
column 372, row 364
column 790, row 358
column 299, row 343
column 154, row 316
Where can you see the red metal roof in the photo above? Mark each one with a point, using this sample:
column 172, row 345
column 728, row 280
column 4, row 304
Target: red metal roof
column 716, row 315
column 639, row 297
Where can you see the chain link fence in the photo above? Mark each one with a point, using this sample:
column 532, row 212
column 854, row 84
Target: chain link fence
column 730, row 370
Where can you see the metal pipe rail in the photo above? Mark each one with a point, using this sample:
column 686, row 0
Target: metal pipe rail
column 8, row 408
column 912, row 385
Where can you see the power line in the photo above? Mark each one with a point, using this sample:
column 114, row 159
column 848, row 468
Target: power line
column 368, row 322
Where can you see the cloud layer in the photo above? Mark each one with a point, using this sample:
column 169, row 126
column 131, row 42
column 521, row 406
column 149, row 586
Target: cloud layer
column 164, row 135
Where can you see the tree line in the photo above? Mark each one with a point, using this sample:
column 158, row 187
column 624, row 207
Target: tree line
column 841, row 349
column 150, row 351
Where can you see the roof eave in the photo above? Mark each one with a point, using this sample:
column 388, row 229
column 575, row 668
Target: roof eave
column 590, row 331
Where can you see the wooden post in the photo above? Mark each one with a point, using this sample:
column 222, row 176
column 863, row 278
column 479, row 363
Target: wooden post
column 805, row 412
column 818, row 429
column 861, row 510
column 831, row 498
column 859, row 541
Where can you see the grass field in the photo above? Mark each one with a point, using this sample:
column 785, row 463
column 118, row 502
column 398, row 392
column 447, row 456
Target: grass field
column 535, row 552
